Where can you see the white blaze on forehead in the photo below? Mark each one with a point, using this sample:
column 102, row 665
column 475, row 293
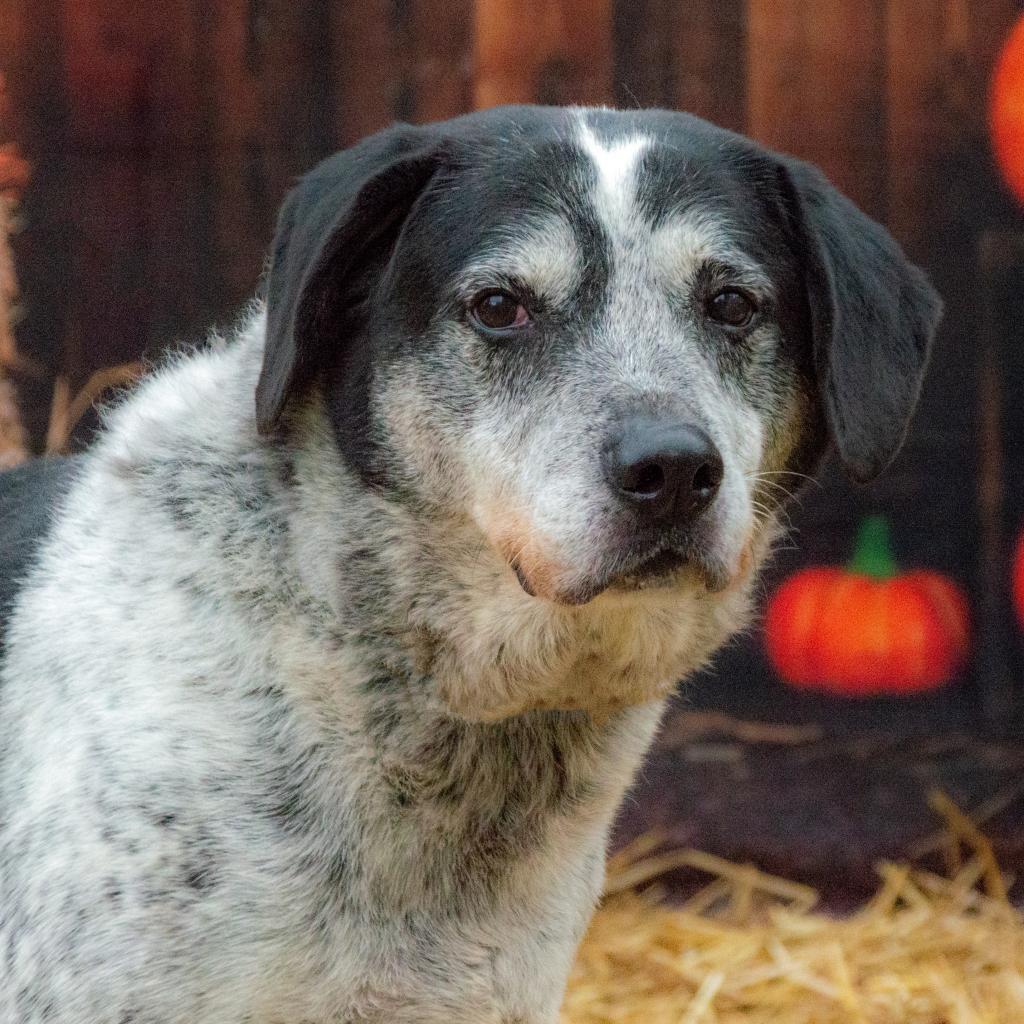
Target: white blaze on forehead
column 616, row 165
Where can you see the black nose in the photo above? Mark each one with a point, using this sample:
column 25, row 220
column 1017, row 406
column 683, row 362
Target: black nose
column 667, row 470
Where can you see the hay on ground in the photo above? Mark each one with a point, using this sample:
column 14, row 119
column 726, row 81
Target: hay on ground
column 750, row 949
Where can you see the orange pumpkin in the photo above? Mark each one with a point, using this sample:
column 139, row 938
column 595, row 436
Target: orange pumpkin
column 1006, row 110
column 1018, row 580
column 867, row 629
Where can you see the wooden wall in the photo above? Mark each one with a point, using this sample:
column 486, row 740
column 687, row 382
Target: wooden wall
column 163, row 135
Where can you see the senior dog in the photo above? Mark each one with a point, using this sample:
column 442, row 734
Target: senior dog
column 327, row 666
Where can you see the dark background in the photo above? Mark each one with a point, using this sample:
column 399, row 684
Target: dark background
column 163, row 136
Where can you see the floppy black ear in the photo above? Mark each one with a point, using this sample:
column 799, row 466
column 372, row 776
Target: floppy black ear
column 339, row 222
column 873, row 317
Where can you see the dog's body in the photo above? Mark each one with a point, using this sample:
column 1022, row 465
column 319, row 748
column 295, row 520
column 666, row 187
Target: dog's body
column 317, row 709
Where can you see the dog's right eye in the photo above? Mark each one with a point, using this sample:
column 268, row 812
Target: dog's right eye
column 731, row 308
column 498, row 312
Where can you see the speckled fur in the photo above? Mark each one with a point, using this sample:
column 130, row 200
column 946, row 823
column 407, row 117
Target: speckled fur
column 281, row 748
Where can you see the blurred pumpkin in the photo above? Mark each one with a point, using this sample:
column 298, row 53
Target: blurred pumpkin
column 1018, row 580
column 867, row 629
column 1006, row 110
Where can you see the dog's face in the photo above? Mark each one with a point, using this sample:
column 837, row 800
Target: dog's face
column 600, row 338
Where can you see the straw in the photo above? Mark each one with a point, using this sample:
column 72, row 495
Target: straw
column 749, row 948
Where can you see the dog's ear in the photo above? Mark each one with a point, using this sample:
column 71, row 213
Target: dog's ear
column 873, row 317
column 336, row 227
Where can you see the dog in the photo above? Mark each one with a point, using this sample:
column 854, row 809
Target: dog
column 326, row 667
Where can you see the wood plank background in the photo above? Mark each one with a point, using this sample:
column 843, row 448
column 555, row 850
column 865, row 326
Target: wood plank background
column 163, row 136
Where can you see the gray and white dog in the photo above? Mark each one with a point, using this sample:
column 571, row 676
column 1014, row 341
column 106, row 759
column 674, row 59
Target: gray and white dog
column 327, row 666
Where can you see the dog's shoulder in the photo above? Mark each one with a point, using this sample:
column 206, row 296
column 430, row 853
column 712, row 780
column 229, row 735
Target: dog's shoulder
column 30, row 497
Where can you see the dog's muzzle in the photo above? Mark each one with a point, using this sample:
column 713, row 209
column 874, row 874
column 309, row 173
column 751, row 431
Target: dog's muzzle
column 664, row 474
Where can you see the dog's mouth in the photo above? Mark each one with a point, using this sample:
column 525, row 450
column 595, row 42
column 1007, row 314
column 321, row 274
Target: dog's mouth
column 576, row 595
column 659, row 566
column 659, row 569
column 667, row 565
column 524, row 580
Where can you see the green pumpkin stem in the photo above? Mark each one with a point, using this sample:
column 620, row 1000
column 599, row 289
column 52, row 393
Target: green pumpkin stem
column 873, row 554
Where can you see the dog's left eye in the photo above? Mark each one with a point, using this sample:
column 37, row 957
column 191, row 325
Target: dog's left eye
column 731, row 308
column 498, row 312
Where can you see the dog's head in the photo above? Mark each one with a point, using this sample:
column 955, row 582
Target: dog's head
column 600, row 338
